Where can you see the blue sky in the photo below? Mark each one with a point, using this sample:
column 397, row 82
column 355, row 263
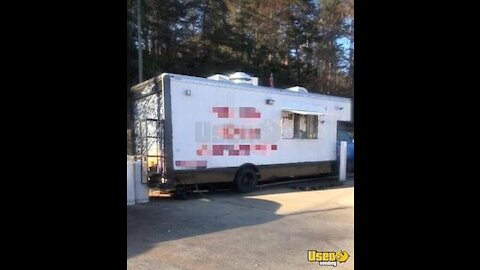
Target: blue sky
column 345, row 44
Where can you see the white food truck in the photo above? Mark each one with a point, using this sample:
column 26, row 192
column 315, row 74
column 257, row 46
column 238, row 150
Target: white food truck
column 192, row 130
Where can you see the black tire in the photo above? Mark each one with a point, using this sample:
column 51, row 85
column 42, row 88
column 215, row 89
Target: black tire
column 246, row 180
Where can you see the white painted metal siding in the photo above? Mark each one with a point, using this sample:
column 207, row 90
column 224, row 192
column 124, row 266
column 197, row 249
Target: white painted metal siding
column 194, row 124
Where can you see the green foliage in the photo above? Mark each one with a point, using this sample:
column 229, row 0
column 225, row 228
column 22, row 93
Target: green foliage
column 296, row 40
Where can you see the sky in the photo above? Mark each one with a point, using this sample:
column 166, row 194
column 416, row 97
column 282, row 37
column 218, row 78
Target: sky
column 345, row 43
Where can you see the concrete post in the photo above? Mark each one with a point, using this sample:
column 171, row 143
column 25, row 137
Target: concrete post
column 343, row 161
column 130, row 182
column 141, row 190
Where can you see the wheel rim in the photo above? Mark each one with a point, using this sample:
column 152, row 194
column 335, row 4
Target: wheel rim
column 247, row 180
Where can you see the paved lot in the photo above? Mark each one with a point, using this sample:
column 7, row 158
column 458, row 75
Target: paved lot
column 269, row 229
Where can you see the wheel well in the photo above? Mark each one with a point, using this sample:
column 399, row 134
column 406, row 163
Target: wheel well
column 248, row 165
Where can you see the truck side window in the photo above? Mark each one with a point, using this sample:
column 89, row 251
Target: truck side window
column 312, row 127
column 299, row 126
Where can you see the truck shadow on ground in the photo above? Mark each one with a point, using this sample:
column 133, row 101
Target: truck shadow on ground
column 167, row 219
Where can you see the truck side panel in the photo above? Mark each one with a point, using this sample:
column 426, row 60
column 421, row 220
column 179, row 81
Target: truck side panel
column 215, row 126
column 267, row 172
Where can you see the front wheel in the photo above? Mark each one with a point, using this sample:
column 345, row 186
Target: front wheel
column 246, row 180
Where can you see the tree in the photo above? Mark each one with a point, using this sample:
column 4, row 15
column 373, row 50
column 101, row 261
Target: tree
column 297, row 40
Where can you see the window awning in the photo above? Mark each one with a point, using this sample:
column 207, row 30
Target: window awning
column 304, row 112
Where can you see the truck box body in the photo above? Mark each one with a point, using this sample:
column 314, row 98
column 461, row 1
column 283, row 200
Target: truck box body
column 195, row 130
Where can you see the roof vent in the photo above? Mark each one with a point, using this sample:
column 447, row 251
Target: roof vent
column 298, row 89
column 237, row 77
column 219, row 77
column 240, row 77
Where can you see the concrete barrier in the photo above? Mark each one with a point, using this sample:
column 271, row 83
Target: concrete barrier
column 137, row 192
column 130, row 182
column 141, row 189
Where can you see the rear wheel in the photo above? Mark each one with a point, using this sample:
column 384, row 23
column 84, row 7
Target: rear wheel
column 246, row 180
